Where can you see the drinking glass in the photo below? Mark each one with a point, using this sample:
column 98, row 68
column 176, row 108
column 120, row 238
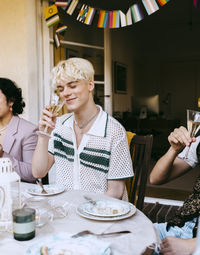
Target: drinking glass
column 55, row 103
column 193, row 125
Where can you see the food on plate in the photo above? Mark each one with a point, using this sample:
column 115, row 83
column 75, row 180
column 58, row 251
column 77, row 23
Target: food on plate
column 44, row 250
column 115, row 211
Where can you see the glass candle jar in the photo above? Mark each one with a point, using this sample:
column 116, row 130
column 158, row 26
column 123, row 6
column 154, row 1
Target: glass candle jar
column 24, row 224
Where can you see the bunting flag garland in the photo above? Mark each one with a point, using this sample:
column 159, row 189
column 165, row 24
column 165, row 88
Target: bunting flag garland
column 111, row 19
column 72, row 7
column 51, row 15
column 83, row 13
column 90, row 16
column 63, row 4
column 136, row 13
column 103, row 19
column 114, row 17
column 56, row 41
column 150, row 6
column 129, row 18
column 61, row 29
column 122, row 19
column 163, row 2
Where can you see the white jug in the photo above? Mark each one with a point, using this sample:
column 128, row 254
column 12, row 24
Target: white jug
column 7, row 176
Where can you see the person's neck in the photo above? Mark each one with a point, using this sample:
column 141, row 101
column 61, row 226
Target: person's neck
column 4, row 121
column 85, row 113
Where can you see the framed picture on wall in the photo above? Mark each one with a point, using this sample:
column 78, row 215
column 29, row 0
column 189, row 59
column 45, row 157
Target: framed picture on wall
column 120, row 77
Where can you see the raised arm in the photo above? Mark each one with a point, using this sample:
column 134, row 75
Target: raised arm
column 169, row 166
column 42, row 159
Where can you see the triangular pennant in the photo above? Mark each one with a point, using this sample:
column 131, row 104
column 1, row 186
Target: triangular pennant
column 136, row 13
column 103, row 19
column 163, row 2
column 150, row 6
column 90, row 16
column 129, row 18
column 61, row 29
column 51, row 15
column 72, row 7
column 56, row 41
column 114, row 17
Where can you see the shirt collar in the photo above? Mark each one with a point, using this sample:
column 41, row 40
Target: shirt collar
column 99, row 127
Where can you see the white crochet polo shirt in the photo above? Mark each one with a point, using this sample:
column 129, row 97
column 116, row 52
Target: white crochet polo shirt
column 102, row 155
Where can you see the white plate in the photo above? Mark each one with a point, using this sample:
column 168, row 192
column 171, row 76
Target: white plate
column 87, row 245
column 82, row 213
column 106, row 208
column 50, row 189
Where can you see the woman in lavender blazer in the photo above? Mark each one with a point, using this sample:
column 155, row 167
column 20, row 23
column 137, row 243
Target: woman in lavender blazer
column 18, row 137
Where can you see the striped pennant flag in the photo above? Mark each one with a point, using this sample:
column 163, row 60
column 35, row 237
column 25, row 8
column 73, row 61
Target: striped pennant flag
column 162, row 2
column 61, row 29
column 136, row 13
column 63, row 4
column 122, row 19
column 90, row 16
column 114, row 17
column 126, row 19
column 129, row 18
column 72, row 7
column 56, row 41
column 83, row 13
column 103, row 19
column 150, row 6
column 51, row 15
column 60, row 3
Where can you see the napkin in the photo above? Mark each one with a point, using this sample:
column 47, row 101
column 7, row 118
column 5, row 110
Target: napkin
column 64, row 244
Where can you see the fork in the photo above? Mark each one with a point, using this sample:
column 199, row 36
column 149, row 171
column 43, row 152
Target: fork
column 89, row 199
column 41, row 185
column 87, row 232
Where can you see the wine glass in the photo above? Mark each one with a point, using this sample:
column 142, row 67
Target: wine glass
column 193, row 125
column 55, row 103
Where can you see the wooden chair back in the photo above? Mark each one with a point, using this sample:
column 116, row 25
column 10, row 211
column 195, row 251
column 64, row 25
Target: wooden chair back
column 140, row 149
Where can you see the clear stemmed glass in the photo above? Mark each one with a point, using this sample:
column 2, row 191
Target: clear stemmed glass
column 193, row 125
column 55, row 103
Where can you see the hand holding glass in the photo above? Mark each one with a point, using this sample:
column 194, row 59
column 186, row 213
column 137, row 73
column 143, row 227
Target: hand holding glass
column 193, row 125
column 55, row 103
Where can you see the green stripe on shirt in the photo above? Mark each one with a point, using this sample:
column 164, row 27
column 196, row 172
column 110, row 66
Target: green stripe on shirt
column 94, row 167
column 100, row 160
column 60, row 146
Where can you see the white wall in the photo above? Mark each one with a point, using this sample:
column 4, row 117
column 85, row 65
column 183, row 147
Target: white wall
column 18, row 50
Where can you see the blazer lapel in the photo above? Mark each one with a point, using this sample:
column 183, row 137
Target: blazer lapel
column 11, row 130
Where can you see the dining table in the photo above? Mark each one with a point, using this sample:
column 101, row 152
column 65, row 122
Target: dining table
column 142, row 232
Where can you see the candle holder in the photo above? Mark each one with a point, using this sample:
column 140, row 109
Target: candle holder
column 7, row 177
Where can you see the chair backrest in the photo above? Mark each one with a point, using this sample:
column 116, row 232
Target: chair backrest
column 140, row 149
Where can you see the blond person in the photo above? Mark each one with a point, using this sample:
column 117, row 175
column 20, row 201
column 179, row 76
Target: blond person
column 88, row 147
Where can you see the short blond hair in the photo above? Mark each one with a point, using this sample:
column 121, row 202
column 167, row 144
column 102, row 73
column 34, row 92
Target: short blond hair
column 75, row 68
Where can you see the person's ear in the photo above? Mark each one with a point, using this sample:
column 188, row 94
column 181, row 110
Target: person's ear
column 11, row 105
column 91, row 86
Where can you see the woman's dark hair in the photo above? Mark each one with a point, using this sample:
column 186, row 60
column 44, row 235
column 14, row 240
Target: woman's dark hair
column 13, row 94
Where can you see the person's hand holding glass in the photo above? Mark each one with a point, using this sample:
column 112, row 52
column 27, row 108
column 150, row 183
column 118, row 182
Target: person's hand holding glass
column 47, row 121
column 193, row 125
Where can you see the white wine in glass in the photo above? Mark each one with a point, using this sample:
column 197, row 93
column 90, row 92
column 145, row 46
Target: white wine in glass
column 193, row 125
column 55, row 103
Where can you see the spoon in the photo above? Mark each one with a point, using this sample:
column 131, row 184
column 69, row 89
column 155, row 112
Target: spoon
column 41, row 185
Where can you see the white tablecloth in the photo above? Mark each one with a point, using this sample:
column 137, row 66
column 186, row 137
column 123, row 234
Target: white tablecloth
column 143, row 233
